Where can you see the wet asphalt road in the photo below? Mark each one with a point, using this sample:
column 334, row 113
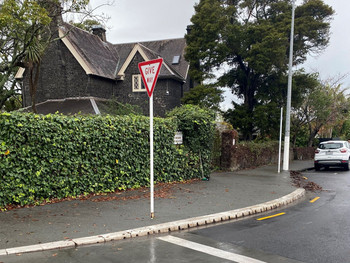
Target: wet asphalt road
column 307, row 232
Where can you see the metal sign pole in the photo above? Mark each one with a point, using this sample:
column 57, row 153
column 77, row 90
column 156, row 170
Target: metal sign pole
column 280, row 142
column 151, row 154
column 149, row 71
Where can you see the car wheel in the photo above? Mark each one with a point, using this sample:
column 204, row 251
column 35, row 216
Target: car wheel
column 346, row 166
column 317, row 167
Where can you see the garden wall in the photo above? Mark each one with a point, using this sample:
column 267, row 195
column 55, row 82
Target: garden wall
column 250, row 155
column 304, row 153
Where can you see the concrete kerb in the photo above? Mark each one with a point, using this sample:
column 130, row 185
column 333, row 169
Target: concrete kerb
column 39, row 247
column 161, row 228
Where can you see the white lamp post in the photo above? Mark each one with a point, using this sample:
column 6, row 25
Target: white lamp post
column 289, row 96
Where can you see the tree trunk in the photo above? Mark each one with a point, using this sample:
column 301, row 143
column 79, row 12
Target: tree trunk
column 294, row 140
column 33, row 83
column 312, row 135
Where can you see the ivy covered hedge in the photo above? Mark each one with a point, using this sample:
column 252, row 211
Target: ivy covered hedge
column 56, row 156
column 197, row 125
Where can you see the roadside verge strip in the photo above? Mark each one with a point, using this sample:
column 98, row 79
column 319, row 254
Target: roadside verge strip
column 161, row 228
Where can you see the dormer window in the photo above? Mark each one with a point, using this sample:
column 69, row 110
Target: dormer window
column 176, row 60
column 137, row 84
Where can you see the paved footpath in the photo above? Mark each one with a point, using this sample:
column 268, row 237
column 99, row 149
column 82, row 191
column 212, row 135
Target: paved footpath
column 177, row 206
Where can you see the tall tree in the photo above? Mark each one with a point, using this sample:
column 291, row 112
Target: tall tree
column 270, row 99
column 252, row 39
column 21, row 22
column 86, row 25
column 27, row 27
column 325, row 107
column 303, row 86
column 206, row 96
column 322, row 109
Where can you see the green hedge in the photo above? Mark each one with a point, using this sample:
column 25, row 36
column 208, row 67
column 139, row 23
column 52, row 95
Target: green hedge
column 198, row 127
column 56, row 156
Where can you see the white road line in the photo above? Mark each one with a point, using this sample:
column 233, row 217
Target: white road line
column 209, row 250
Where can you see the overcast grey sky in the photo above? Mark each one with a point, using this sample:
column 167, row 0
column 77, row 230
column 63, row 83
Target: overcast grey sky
column 335, row 60
column 140, row 20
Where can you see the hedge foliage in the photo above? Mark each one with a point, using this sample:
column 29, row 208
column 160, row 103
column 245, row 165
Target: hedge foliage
column 56, row 156
column 198, row 127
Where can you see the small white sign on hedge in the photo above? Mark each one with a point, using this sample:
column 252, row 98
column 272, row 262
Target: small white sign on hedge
column 178, row 138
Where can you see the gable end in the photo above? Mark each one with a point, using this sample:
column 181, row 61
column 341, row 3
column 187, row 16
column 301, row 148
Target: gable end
column 137, row 48
column 74, row 52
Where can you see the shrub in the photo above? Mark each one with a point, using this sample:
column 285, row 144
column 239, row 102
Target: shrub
column 114, row 107
column 198, row 126
column 56, row 156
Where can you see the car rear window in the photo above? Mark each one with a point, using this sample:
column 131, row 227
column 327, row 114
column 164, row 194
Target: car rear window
column 330, row 145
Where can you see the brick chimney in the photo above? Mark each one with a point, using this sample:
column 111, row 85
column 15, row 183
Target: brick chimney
column 99, row 31
column 189, row 29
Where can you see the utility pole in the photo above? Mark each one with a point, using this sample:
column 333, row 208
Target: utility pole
column 289, row 95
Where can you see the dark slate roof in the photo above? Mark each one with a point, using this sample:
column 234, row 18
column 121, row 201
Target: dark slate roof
column 123, row 51
column 105, row 59
column 166, row 49
column 100, row 56
column 167, row 70
column 69, row 106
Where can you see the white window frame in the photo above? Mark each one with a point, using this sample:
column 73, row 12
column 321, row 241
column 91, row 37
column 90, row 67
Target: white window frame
column 140, row 87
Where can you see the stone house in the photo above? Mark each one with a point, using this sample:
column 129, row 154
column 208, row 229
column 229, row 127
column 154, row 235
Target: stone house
column 81, row 69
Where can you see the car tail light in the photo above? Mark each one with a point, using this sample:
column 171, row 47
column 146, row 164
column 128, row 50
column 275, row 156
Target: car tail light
column 317, row 151
column 343, row 150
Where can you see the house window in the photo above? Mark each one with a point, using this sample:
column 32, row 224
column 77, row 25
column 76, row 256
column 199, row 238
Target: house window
column 176, row 60
column 137, row 84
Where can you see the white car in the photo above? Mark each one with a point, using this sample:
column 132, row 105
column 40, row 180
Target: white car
column 332, row 153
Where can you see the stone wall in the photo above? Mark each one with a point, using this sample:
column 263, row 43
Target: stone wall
column 238, row 156
column 61, row 76
column 304, row 153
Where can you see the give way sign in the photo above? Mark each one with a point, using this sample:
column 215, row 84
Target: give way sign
column 149, row 72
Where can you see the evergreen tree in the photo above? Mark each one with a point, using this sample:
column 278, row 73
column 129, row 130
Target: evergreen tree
column 251, row 38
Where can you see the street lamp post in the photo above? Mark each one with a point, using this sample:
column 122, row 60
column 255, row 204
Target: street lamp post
column 289, row 95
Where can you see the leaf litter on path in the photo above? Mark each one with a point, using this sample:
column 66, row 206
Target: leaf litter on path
column 302, row 181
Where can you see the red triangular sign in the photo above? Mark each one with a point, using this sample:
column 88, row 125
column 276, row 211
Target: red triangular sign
column 149, row 72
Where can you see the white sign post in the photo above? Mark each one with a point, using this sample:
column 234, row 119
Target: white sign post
column 149, row 71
